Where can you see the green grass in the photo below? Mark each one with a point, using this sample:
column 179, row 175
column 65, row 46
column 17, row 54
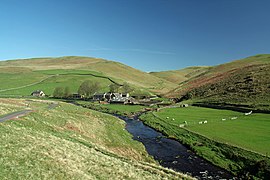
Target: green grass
column 74, row 64
column 71, row 142
column 119, row 109
column 250, row 132
column 237, row 145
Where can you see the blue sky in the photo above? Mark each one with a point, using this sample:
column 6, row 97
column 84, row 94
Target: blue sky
column 150, row 35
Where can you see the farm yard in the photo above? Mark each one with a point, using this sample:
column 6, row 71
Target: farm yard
column 251, row 131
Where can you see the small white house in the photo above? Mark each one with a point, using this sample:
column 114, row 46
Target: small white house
column 38, row 93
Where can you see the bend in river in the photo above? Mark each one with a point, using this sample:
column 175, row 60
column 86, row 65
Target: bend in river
column 171, row 153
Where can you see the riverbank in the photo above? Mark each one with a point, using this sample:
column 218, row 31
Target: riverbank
column 242, row 163
column 168, row 152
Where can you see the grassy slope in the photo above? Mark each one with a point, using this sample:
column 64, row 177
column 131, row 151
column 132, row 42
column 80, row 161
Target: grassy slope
column 71, row 142
column 71, row 79
column 179, row 76
column 237, row 80
column 107, row 68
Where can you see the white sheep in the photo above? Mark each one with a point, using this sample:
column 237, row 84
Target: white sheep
column 200, row 122
column 249, row 113
column 204, row 122
column 223, row 119
column 234, row 118
column 173, row 119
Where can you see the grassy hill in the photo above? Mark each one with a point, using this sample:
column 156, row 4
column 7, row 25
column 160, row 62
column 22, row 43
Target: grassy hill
column 179, row 76
column 27, row 71
column 245, row 82
column 71, row 142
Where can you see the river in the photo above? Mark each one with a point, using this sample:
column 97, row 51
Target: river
column 172, row 154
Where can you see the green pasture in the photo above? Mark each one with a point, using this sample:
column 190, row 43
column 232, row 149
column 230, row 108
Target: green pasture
column 249, row 132
column 13, row 80
column 55, row 78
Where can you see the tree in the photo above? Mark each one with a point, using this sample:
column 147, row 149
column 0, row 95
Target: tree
column 58, row 92
column 67, row 92
column 114, row 88
column 127, row 88
column 88, row 88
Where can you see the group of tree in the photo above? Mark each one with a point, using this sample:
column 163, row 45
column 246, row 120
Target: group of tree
column 62, row 92
column 88, row 88
column 125, row 88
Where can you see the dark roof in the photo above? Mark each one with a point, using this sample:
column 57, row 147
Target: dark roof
column 37, row 91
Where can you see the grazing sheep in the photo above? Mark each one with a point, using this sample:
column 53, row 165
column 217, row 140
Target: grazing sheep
column 223, row 119
column 181, row 125
column 173, row 119
column 167, row 117
column 249, row 113
column 204, row 122
column 200, row 122
column 234, row 118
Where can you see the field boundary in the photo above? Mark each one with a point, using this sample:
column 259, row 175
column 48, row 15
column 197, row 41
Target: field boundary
column 42, row 80
column 32, row 84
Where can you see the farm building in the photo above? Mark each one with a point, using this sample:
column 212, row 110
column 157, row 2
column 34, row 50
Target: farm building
column 77, row 96
column 38, row 93
column 103, row 96
column 99, row 96
column 122, row 100
column 113, row 97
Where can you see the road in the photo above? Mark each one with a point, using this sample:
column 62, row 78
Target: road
column 15, row 115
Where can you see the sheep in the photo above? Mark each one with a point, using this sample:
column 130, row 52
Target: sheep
column 234, row 118
column 204, row 122
column 249, row 113
column 173, row 119
column 167, row 117
column 200, row 122
column 223, row 119
column 181, row 125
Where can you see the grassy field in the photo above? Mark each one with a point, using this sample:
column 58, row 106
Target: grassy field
column 47, row 80
column 119, row 109
column 250, row 132
column 70, row 142
column 237, row 143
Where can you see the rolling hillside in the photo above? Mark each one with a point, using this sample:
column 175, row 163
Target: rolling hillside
column 71, row 142
column 25, row 72
column 245, row 82
column 179, row 76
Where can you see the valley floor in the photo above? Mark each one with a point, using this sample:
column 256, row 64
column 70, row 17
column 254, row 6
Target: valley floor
column 70, row 142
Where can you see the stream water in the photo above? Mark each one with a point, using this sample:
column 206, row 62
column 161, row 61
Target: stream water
column 171, row 153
